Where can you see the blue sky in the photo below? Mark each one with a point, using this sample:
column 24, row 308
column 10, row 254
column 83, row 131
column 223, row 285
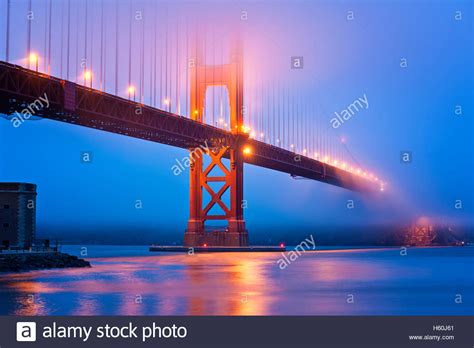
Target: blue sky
column 411, row 108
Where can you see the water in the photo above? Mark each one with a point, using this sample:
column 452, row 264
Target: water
column 131, row 281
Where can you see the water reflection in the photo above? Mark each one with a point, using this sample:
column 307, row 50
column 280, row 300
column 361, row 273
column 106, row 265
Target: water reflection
column 245, row 284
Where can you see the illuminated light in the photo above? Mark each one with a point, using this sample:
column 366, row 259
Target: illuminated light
column 261, row 135
column 343, row 165
column 225, row 124
column 304, row 151
column 376, row 179
column 292, row 145
column 278, row 140
column 364, row 174
column 316, row 155
column 245, row 129
column 343, row 140
column 196, row 112
column 336, row 162
column 252, row 134
column 326, row 159
column 282, row 245
column 221, row 120
column 382, row 188
column 351, row 169
column 205, row 245
column 131, row 89
column 358, row 171
column 33, row 58
column 247, row 150
column 166, row 101
column 87, row 75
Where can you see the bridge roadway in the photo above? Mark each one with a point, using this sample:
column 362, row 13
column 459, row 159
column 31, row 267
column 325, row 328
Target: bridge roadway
column 76, row 104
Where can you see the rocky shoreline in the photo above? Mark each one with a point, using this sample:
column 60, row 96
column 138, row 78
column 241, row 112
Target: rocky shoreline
column 36, row 261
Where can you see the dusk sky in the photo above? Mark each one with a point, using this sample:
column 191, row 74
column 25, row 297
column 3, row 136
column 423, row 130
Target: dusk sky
column 413, row 62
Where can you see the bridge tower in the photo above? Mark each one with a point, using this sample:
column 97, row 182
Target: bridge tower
column 229, row 76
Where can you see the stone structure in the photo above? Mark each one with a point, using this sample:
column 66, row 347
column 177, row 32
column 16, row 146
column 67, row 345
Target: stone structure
column 17, row 214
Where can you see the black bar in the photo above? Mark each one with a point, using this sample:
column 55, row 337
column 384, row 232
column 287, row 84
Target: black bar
column 321, row 331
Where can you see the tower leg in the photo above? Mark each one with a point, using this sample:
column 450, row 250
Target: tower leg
column 235, row 234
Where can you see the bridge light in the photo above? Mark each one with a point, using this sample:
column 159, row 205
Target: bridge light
column 358, row 171
column 364, row 174
column 245, row 129
column 131, row 91
column 196, row 112
column 326, row 159
column 343, row 165
column 278, row 140
column 247, row 150
column 282, row 245
column 336, row 162
column 252, row 134
column 33, row 60
column 221, row 120
column 87, row 75
column 292, row 145
column 262, row 135
column 304, row 151
column 316, row 155
column 205, row 245
column 167, row 102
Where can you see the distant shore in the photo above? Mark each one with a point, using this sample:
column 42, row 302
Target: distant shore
column 21, row 262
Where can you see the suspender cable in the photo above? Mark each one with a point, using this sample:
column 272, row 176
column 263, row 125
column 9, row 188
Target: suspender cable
column 116, row 46
column 178, row 61
column 130, row 46
column 142, row 64
column 187, row 71
column 45, row 35
column 49, row 35
column 101, row 45
column 155, row 20
column 7, row 44
column 28, row 34
column 85, row 41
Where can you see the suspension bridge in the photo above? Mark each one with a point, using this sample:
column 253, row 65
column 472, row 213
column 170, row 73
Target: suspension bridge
column 99, row 73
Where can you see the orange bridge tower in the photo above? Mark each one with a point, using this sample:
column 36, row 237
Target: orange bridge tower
column 229, row 76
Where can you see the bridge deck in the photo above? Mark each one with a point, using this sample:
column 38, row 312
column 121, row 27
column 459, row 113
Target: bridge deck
column 76, row 104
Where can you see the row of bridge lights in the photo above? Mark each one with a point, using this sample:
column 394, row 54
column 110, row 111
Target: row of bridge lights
column 87, row 75
column 33, row 60
column 326, row 159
